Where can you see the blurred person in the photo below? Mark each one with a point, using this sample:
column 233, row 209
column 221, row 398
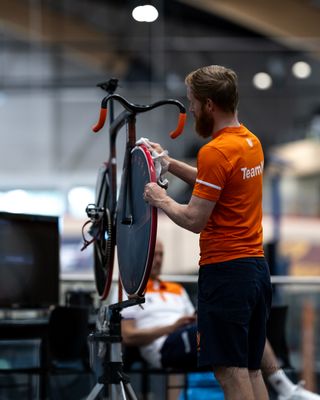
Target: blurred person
column 234, row 288
column 165, row 332
column 164, row 323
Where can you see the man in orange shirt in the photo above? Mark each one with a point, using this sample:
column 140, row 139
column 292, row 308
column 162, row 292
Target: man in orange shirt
column 234, row 294
column 165, row 332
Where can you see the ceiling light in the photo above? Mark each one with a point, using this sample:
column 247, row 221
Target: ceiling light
column 301, row 70
column 146, row 13
column 262, row 81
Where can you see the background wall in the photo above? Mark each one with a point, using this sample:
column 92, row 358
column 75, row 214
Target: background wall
column 54, row 53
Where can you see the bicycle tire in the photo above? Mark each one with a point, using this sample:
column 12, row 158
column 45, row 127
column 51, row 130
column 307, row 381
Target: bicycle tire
column 136, row 237
column 104, row 246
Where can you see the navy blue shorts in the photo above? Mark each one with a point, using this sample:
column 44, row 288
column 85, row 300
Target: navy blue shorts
column 180, row 349
column 234, row 301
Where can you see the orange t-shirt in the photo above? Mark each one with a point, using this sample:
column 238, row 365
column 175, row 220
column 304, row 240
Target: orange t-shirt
column 230, row 169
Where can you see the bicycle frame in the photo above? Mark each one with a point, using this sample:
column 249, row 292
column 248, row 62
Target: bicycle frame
column 109, row 211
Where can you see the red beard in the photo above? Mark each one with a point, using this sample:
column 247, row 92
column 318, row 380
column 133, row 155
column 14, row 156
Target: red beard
column 204, row 124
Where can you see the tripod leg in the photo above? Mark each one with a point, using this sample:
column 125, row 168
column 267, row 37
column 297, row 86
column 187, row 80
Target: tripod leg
column 122, row 391
column 95, row 391
column 118, row 391
column 128, row 388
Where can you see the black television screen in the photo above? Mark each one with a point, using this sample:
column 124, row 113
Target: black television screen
column 29, row 260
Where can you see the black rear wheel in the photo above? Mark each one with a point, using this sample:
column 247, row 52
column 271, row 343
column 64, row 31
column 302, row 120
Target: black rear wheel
column 104, row 244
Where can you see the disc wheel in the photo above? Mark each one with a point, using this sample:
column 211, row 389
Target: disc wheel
column 136, row 223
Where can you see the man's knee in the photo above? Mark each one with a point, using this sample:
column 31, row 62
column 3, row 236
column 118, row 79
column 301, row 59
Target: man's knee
column 227, row 376
column 255, row 374
column 256, row 377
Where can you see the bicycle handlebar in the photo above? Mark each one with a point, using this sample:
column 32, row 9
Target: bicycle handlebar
column 136, row 109
column 181, row 121
column 102, row 120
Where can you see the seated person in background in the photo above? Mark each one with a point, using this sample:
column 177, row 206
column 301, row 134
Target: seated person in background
column 165, row 330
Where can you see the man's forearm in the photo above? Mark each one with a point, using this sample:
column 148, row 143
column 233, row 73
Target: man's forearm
column 183, row 171
column 142, row 337
column 180, row 214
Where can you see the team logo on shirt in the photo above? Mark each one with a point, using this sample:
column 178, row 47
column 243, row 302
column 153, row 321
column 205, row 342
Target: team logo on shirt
column 248, row 173
column 250, row 142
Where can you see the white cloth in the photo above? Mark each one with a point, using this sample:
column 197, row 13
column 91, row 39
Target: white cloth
column 160, row 164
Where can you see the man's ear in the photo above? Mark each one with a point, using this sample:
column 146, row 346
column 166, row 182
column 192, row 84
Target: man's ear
column 210, row 105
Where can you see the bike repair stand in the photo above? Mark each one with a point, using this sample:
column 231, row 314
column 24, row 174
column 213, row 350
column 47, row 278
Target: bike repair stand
column 110, row 337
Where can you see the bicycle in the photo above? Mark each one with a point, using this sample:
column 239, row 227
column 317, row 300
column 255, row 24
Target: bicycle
column 127, row 219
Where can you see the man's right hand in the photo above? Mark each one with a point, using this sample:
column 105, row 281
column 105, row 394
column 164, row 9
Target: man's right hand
column 178, row 168
column 157, row 147
column 183, row 321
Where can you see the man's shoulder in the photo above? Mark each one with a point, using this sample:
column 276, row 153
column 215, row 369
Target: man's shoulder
column 229, row 141
column 210, row 146
column 213, row 151
column 172, row 287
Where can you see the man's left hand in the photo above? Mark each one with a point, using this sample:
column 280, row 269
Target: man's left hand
column 154, row 194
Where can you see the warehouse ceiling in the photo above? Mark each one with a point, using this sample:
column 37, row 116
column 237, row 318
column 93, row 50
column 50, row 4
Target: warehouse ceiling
column 97, row 32
column 294, row 23
column 38, row 22
column 54, row 53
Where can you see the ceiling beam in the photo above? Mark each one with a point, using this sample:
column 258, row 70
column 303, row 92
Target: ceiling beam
column 36, row 23
column 294, row 23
